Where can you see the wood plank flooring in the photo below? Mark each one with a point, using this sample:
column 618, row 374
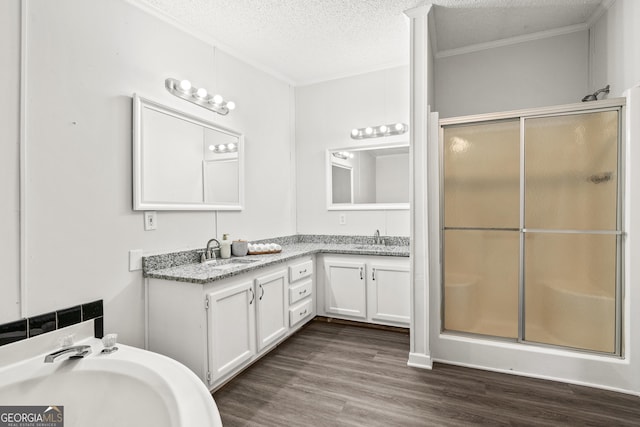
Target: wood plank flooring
column 341, row 375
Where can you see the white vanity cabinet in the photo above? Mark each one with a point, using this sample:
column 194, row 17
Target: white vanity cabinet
column 231, row 328
column 375, row 289
column 301, row 290
column 345, row 287
column 219, row 328
column 272, row 307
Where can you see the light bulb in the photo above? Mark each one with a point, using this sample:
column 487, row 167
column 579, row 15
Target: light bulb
column 399, row 126
column 185, row 85
column 217, row 99
column 231, row 146
column 222, row 147
column 231, row 105
column 212, row 148
column 350, row 155
column 368, row 131
column 354, row 132
column 383, row 129
column 201, row 92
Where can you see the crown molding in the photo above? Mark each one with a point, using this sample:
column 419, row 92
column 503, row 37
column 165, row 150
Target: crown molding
column 600, row 10
column 512, row 40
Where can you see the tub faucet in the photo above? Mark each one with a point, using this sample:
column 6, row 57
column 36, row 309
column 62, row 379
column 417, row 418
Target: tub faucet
column 79, row 350
column 209, row 252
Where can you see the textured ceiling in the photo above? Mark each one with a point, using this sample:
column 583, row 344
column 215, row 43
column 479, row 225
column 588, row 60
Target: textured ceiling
column 306, row 41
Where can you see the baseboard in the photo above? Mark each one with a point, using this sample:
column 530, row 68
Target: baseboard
column 418, row 360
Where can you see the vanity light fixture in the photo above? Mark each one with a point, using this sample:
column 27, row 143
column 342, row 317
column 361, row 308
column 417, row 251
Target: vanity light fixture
column 379, row 131
column 199, row 96
column 224, row 148
column 344, row 155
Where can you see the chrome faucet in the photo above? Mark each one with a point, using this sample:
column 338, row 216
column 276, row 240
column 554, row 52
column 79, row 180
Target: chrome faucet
column 209, row 253
column 376, row 238
column 79, row 350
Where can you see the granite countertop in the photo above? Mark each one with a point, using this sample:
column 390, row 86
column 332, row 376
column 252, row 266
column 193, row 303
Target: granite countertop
column 202, row 273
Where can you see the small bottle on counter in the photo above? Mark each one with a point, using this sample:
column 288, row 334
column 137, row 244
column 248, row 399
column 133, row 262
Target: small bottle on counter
column 225, row 247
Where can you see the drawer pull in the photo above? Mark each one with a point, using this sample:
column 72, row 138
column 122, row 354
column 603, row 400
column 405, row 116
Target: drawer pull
column 361, row 273
column 373, row 274
column 262, row 294
column 302, row 292
column 253, row 296
column 302, row 313
column 303, row 271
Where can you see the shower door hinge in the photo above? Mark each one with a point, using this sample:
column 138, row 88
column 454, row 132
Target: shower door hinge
column 206, row 303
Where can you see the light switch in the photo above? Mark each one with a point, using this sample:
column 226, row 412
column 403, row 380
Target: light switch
column 135, row 259
column 150, row 221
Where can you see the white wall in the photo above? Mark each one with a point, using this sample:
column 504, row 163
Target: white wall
column 85, row 60
column 9, row 159
column 392, row 178
column 325, row 114
column 615, row 48
column 538, row 73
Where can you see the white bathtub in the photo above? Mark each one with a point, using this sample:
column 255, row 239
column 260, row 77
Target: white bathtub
column 130, row 387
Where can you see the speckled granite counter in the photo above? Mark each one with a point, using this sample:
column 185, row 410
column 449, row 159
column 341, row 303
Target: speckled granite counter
column 184, row 266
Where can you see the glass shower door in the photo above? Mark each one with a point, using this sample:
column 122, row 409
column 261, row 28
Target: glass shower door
column 481, row 239
column 572, row 230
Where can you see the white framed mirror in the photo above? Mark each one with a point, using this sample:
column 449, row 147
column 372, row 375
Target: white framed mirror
column 181, row 162
column 371, row 177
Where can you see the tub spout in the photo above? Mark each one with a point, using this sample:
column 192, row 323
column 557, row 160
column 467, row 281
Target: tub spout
column 79, row 350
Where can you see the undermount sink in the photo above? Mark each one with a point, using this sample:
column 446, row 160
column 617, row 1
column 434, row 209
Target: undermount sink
column 225, row 264
column 371, row 246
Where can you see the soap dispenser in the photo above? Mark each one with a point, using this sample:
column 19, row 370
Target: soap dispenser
column 225, row 247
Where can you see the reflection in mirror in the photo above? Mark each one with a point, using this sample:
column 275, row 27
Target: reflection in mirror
column 368, row 178
column 184, row 163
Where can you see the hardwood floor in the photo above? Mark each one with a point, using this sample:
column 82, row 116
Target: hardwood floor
column 340, row 375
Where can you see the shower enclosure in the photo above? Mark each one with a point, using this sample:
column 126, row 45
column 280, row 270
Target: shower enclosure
column 531, row 226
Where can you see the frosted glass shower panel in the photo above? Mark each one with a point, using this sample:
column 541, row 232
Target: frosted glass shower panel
column 481, row 282
column 571, row 167
column 482, row 175
column 570, row 290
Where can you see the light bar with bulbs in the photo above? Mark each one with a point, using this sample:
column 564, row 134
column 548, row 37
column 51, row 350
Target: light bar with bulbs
column 379, row 131
column 344, row 155
column 224, row 148
column 199, row 96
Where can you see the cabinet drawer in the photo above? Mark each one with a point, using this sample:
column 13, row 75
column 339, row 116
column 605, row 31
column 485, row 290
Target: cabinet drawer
column 298, row 292
column 299, row 312
column 300, row 270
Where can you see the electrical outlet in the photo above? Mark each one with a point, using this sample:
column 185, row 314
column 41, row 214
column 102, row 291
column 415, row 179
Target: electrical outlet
column 342, row 219
column 150, row 221
column 135, row 259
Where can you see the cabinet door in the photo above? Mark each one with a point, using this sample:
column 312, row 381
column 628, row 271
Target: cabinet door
column 271, row 293
column 345, row 292
column 232, row 332
column 389, row 292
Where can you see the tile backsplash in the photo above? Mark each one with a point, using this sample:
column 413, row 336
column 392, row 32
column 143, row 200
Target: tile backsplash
column 47, row 322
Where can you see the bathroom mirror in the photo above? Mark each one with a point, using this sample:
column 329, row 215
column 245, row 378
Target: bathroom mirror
column 373, row 177
column 181, row 162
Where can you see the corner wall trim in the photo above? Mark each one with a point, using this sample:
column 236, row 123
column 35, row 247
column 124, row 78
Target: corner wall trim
column 422, row 361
